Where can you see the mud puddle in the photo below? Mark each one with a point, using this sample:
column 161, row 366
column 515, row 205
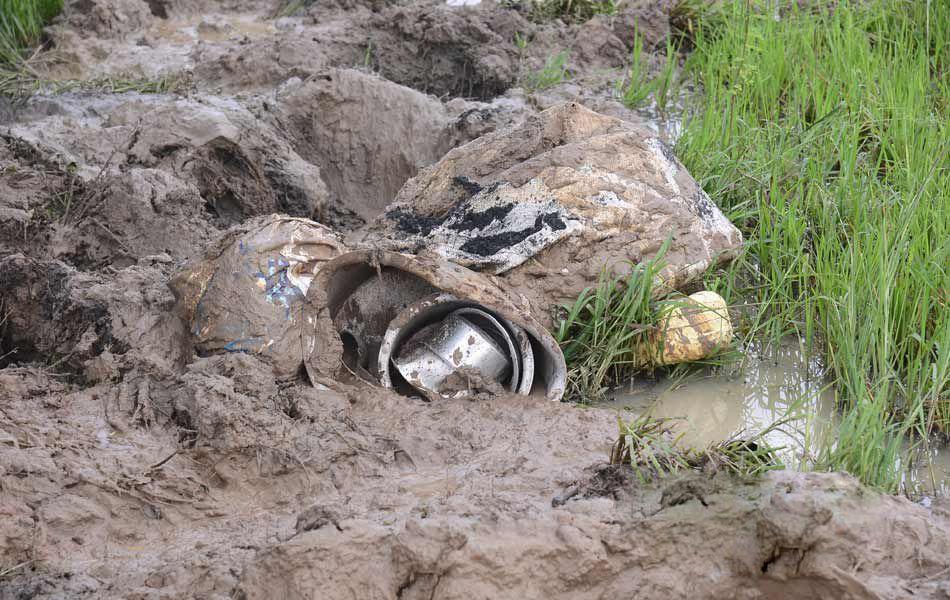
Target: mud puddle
column 670, row 120
column 212, row 28
column 762, row 387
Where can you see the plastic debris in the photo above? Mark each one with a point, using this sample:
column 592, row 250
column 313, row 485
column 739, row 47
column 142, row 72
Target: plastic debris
column 548, row 204
column 690, row 329
column 246, row 294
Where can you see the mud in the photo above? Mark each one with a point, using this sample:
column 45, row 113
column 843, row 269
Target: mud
column 250, row 489
column 131, row 467
column 371, row 135
column 428, row 46
column 104, row 181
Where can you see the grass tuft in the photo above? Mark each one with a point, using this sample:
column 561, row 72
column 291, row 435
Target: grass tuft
column 650, row 446
column 601, row 333
column 21, row 27
column 636, row 87
column 552, row 73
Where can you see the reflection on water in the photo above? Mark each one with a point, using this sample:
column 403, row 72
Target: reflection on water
column 714, row 404
column 668, row 123
column 930, row 471
column 717, row 403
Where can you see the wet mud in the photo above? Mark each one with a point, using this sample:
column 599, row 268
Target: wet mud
column 132, row 467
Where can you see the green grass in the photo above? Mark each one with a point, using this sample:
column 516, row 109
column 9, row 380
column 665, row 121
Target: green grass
column 21, row 26
column 21, row 31
column 824, row 136
column 650, row 447
column 602, row 332
column 552, row 73
column 636, row 87
column 664, row 86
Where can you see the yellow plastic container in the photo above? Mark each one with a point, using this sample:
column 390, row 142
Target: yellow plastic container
column 690, row 329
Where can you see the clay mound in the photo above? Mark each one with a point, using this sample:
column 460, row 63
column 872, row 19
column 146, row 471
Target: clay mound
column 263, row 62
column 240, row 165
column 444, row 51
column 574, row 191
column 143, row 175
column 177, row 8
column 29, row 187
column 795, row 536
column 429, row 46
column 367, row 134
column 68, row 319
column 370, row 135
column 113, row 20
column 220, row 483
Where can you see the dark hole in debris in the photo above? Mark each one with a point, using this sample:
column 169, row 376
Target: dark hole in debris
column 467, row 184
column 351, row 351
column 157, row 8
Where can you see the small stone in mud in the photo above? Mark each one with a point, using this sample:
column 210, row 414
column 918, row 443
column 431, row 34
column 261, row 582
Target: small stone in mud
column 317, row 516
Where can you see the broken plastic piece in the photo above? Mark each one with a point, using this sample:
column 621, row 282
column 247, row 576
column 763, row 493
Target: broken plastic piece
column 246, row 294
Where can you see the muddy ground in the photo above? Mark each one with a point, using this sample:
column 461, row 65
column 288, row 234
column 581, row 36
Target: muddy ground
column 132, row 468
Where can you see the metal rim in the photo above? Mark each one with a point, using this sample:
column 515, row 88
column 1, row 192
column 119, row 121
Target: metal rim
column 513, row 385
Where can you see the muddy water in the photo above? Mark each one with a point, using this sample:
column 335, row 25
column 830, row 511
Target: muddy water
column 217, row 28
column 758, row 389
column 930, row 475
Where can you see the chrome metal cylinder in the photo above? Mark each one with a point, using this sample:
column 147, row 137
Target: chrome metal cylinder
column 456, row 345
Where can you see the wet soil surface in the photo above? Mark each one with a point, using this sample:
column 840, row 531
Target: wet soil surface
column 132, row 468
